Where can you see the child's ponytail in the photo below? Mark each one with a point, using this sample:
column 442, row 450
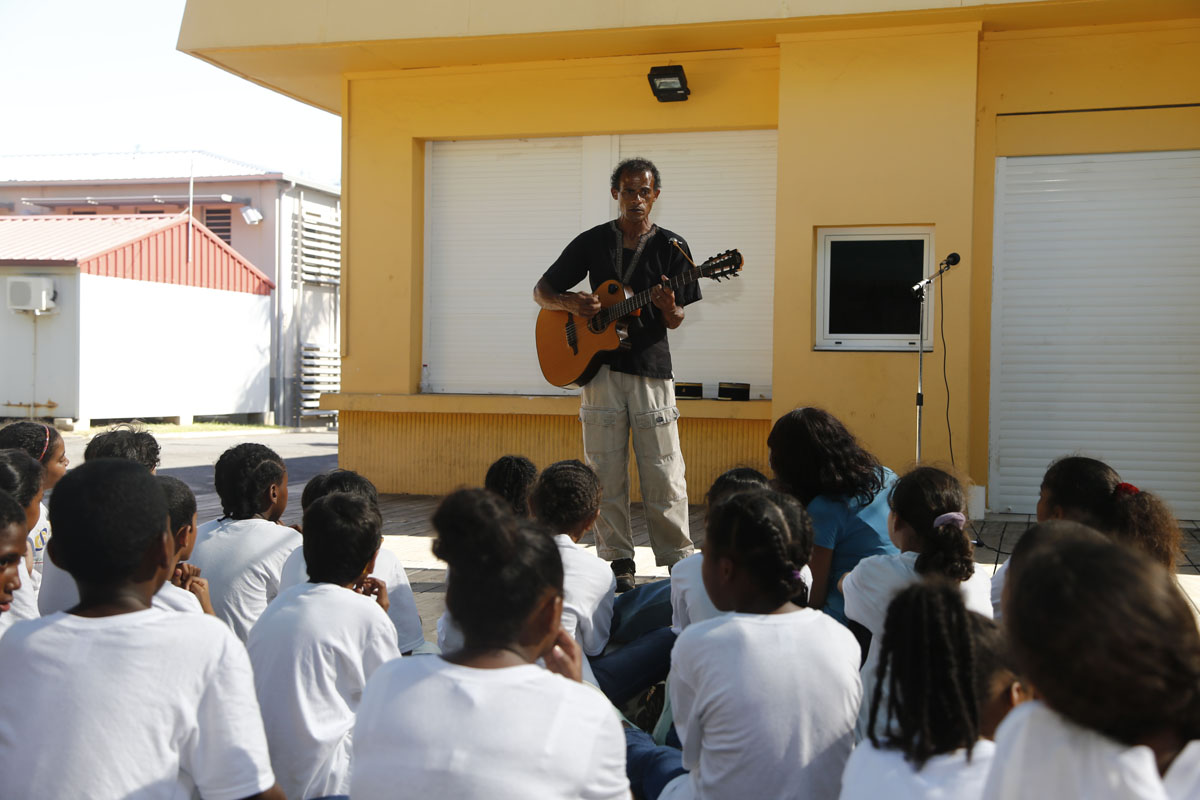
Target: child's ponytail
column 1142, row 520
column 930, row 501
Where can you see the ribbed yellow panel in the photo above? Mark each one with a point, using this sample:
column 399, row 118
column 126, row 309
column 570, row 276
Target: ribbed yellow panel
column 435, row 453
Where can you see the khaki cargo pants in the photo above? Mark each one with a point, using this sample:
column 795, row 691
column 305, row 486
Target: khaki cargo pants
column 613, row 403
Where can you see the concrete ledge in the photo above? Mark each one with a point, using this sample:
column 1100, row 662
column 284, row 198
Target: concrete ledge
column 566, row 406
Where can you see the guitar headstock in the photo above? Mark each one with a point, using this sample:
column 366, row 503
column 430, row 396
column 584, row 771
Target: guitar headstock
column 722, row 265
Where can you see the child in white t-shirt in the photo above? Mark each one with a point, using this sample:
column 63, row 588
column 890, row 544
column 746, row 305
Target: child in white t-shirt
column 566, row 499
column 186, row 590
column 45, row 444
column 486, row 721
column 928, row 526
column 21, row 479
column 318, row 643
column 950, row 687
column 764, row 696
column 242, row 553
column 402, row 606
column 118, row 699
column 1110, row 647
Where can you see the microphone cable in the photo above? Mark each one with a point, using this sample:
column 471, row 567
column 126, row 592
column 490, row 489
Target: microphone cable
column 945, row 373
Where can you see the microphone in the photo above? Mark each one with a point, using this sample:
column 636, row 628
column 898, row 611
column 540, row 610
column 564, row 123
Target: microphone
column 946, row 264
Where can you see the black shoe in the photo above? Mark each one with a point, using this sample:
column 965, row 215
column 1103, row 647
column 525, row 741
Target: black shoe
column 624, row 569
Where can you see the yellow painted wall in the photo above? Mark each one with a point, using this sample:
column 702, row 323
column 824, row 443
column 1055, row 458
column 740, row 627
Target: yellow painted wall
column 875, row 128
column 1026, row 81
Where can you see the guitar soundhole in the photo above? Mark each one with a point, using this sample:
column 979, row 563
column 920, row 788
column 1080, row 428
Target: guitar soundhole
column 613, row 289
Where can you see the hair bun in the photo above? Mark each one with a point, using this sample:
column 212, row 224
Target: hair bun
column 475, row 529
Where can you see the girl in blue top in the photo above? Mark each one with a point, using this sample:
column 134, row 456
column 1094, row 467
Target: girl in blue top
column 845, row 490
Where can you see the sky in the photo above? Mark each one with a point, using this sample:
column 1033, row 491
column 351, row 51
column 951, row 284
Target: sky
column 83, row 76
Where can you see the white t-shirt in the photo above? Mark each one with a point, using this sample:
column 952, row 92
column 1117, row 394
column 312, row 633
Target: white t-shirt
column 589, row 589
column 689, row 599
column 998, row 580
column 38, row 538
column 313, row 650
column 141, row 705
column 873, row 773
column 1039, row 753
column 402, row 606
column 174, row 598
column 443, row 730
column 868, row 590
column 764, row 705
column 242, row 560
column 59, row 592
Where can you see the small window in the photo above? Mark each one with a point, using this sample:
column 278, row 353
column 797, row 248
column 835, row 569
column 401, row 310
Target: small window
column 864, row 287
column 75, row 212
column 217, row 220
column 150, row 211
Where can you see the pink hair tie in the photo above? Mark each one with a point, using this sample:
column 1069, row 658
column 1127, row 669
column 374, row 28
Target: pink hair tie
column 45, row 446
column 954, row 518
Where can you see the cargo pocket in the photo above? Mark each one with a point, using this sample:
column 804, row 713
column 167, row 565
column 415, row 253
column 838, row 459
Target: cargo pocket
column 656, row 435
column 605, row 430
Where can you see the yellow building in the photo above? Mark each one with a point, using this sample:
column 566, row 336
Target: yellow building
column 1027, row 136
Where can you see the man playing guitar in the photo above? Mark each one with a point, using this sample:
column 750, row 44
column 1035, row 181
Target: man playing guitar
column 634, row 389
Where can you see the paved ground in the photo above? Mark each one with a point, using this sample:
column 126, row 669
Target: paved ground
column 190, row 457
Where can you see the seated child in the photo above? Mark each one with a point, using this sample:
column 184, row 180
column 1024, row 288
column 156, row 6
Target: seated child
column 242, row 553
column 1108, row 644
column 21, row 478
column 1091, row 492
column 486, row 721
column 950, row 686
column 927, row 525
column 566, row 499
column 765, row 698
column 125, row 441
column 316, row 645
column 689, row 600
column 512, row 478
column 44, row 443
column 186, row 590
column 12, row 550
column 117, row 699
column 402, row 606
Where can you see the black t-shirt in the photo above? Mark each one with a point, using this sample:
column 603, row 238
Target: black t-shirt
column 590, row 255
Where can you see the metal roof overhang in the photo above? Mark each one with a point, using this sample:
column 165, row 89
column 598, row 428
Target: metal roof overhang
column 132, row 200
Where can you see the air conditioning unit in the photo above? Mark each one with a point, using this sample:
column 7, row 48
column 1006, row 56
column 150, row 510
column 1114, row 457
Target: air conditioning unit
column 31, row 293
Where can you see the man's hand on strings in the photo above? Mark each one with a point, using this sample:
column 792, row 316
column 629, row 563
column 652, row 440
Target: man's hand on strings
column 663, row 297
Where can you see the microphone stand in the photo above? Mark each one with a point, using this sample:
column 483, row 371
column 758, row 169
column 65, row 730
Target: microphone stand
column 919, row 291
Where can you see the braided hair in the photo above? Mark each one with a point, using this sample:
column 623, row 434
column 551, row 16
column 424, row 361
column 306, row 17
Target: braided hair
column 35, row 438
column 766, row 533
column 1103, row 633
column 738, row 479
column 929, row 662
column 813, row 454
column 243, row 475
column 20, row 476
column 919, row 499
column 500, row 566
column 512, row 478
column 566, row 494
column 1091, row 492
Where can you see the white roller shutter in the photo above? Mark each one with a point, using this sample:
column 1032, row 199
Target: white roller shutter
column 1096, row 322
column 499, row 212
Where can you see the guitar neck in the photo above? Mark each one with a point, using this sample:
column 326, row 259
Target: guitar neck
column 631, row 304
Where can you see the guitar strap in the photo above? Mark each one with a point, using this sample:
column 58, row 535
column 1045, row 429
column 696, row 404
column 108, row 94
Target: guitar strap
column 637, row 254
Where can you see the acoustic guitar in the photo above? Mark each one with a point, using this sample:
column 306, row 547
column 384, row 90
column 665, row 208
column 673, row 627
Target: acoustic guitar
column 569, row 347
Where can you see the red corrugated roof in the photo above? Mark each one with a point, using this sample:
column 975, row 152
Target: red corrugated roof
column 134, row 246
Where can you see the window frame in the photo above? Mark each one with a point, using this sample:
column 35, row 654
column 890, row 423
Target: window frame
column 872, row 342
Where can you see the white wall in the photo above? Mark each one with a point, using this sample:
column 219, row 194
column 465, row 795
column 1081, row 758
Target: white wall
column 157, row 350
column 45, row 372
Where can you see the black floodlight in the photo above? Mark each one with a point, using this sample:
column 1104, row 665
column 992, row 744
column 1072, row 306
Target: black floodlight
column 669, row 84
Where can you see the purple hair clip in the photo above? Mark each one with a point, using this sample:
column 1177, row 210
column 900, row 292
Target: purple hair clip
column 797, row 574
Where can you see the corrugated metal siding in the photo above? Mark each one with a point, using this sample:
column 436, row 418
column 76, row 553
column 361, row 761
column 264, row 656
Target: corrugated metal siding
column 436, row 453
column 1095, row 337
